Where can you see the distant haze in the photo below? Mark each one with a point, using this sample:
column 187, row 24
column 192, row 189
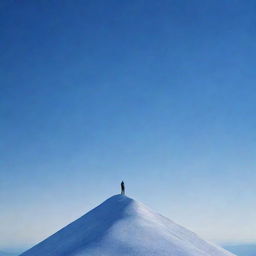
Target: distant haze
column 242, row 249
column 8, row 254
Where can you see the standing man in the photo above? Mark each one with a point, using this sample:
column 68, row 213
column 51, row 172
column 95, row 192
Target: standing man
column 122, row 188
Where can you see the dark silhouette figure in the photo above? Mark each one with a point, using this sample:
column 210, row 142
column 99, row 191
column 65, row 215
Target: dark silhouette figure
column 122, row 188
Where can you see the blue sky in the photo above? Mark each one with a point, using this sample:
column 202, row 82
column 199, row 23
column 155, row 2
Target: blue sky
column 160, row 94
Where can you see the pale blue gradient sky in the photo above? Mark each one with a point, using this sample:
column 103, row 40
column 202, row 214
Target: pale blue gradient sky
column 160, row 94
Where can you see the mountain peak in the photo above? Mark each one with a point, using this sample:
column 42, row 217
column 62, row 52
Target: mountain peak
column 123, row 226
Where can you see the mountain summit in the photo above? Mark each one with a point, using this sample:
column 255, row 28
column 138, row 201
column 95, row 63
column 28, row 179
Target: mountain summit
column 121, row 226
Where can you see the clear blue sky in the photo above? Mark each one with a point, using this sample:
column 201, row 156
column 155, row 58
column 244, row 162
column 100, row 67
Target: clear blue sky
column 161, row 94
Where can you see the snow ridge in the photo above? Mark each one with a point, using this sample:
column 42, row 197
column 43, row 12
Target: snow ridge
column 123, row 226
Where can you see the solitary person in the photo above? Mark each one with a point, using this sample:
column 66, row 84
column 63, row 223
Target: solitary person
column 122, row 188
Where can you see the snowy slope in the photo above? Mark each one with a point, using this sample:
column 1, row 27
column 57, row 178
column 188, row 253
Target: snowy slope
column 123, row 226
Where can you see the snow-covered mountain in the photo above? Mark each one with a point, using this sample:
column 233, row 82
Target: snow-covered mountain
column 123, row 226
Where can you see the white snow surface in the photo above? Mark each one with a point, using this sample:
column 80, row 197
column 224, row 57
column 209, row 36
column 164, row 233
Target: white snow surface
column 121, row 226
